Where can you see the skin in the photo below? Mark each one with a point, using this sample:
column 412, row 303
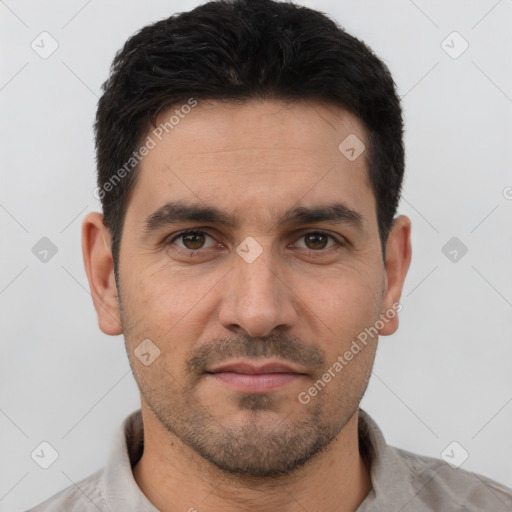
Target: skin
column 209, row 446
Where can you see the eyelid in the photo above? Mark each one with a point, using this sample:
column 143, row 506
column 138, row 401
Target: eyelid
column 338, row 239
column 170, row 240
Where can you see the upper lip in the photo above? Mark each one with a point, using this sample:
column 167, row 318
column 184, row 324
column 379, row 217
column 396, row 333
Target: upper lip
column 243, row 367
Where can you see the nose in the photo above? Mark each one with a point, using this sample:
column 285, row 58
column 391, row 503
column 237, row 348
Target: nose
column 257, row 298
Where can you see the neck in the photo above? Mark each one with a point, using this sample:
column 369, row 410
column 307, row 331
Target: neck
column 174, row 477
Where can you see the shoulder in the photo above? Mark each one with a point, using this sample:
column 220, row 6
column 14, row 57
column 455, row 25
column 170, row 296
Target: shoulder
column 84, row 496
column 437, row 484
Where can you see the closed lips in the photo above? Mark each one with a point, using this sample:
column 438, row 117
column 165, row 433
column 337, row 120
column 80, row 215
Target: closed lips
column 252, row 369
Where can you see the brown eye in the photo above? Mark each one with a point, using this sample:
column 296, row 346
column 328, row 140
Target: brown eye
column 316, row 241
column 192, row 240
column 320, row 244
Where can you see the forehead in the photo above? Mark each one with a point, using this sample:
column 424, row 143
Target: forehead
column 255, row 157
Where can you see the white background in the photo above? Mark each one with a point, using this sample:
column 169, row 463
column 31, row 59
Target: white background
column 445, row 376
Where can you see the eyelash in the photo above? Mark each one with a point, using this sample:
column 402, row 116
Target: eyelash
column 192, row 252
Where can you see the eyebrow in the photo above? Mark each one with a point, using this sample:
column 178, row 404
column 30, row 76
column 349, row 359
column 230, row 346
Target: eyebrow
column 177, row 211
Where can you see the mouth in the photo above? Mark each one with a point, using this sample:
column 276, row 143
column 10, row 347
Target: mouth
column 256, row 378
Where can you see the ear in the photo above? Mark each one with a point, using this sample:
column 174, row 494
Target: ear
column 398, row 259
column 99, row 267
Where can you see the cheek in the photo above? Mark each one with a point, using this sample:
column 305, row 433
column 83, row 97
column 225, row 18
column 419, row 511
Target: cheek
column 345, row 304
column 170, row 307
column 345, row 310
column 167, row 291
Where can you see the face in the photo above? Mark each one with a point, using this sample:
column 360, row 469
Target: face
column 280, row 265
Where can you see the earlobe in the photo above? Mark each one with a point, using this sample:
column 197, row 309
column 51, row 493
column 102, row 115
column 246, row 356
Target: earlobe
column 99, row 267
column 398, row 259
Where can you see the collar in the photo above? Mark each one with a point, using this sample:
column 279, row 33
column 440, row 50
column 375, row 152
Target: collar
column 391, row 478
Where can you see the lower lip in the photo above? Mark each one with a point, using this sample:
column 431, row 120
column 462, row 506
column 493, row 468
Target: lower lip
column 256, row 382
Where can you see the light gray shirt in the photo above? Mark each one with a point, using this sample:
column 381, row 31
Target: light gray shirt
column 401, row 481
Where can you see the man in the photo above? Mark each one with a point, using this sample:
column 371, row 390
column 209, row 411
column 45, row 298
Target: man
column 250, row 164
